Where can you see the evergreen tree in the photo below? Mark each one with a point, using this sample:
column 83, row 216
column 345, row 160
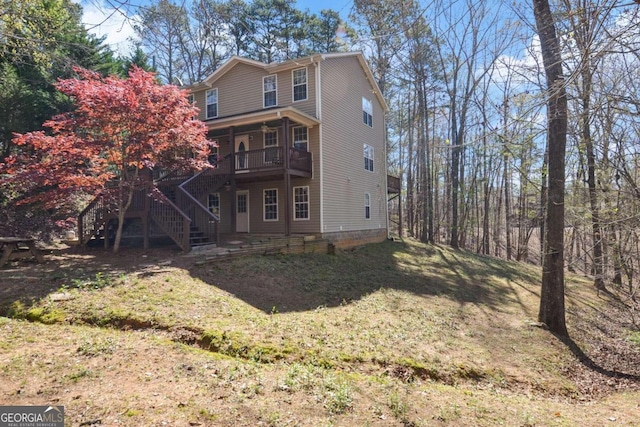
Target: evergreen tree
column 40, row 41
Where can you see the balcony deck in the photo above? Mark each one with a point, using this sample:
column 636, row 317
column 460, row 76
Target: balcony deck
column 266, row 162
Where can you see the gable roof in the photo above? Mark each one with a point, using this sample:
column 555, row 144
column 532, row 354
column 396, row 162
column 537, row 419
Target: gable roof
column 291, row 64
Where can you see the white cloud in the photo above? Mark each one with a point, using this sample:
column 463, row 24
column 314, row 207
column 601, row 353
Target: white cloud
column 103, row 19
column 523, row 69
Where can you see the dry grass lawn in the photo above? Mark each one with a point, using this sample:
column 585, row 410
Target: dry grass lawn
column 393, row 334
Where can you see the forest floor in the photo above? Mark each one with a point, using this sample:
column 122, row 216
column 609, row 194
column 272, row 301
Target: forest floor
column 392, row 334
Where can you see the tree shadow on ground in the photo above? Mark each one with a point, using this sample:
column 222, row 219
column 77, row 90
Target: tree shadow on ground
column 306, row 282
column 74, row 267
column 604, row 348
column 625, row 368
column 300, row 283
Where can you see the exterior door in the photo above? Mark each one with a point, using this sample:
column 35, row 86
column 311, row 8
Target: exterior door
column 242, row 211
column 241, row 146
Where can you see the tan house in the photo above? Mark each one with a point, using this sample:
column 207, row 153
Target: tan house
column 300, row 150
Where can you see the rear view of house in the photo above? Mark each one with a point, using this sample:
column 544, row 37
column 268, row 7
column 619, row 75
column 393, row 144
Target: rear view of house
column 301, row 145
column 298, row 148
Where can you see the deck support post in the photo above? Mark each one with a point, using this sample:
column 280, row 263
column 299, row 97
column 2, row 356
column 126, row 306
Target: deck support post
column 145, row 220
column 287, row 178
column 232, row 205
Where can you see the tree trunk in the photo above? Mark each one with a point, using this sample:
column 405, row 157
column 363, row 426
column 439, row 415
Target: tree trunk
column 507, row 204
column 498, row 225
column 596, row 227
column 455, row 182
column 429, row 170
column 122, row 209
column 422, row 155
column 552, row 311
column 544, row 197
column 410, row 173
column 126, row 190
column 486, row 191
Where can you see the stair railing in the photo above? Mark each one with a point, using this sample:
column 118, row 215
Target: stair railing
column 205, row 182
column 91, row 219
column 171, row 219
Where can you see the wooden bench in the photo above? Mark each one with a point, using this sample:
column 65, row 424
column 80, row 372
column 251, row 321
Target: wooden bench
column 18, row 248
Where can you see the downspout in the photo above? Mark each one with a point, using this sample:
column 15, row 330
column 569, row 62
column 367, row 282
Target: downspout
column 320, row 168
column 386, row 173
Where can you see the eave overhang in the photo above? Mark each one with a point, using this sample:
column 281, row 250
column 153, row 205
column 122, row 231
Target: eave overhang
column 264, row 116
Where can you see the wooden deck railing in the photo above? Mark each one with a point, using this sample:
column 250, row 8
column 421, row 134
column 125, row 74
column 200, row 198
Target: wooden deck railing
column 171, row 219
column 394, row 185
column 300, row 160
column 209, row 180
column 176, row 217
column 91, row 219
column 272, row 158
column 191, row 191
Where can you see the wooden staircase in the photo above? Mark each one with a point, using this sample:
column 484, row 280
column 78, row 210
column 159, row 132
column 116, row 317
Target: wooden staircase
column 173, row 204
column 91, row 221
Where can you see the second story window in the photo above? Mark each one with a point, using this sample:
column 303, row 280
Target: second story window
column 301, row 138
column 192, row 101
column 368, row 157
column 269, row 90
column 213, row 153
column 299, row 84
column 367, row 112
column 212, row 103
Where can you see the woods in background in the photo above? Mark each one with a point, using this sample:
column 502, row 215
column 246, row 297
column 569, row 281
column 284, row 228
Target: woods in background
column 466, row 85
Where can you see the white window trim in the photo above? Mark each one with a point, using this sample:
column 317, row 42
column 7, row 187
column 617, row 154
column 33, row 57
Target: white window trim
column 293, row 85
column 264, row 139
column 214, row 151
column 206, row 105
column 364, row 153
column 367, row 204
column 308, row 203
column 265, row 92
column 367, row 107
column 191, row 98
column 219, row 204
column 293, row 138
column 264, row 205
column 265, row 146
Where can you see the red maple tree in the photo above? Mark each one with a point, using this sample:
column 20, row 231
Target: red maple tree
column 118, row 129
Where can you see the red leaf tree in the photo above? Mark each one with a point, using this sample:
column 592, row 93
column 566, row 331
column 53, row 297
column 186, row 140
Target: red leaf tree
column 119, row 128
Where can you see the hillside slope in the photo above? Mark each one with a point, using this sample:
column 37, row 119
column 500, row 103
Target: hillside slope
column 393, row 334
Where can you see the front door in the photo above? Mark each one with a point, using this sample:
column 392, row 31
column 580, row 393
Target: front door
column 241, row 146
column 242, row 211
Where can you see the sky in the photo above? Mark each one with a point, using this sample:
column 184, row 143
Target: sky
column 115, row 18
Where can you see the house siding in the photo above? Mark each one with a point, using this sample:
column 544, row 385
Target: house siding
column 285, row 91
column 256, row 222
column 336, row 205
column 344, row 83
column 240, row 91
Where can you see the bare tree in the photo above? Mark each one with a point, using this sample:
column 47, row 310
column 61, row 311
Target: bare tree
column 465, row 56
column 552, row 311
column 161, row 29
